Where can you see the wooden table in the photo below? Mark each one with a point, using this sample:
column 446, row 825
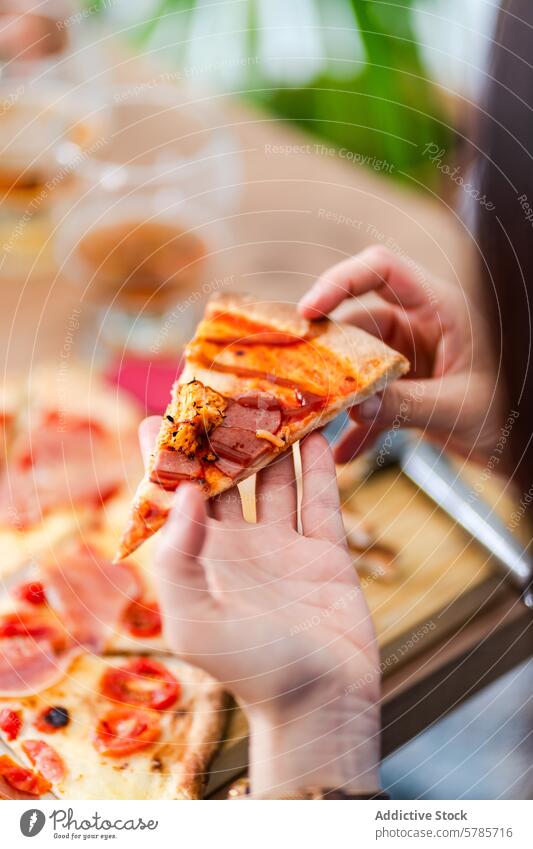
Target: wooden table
column 302, row 209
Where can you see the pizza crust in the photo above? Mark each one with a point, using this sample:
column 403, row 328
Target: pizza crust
column 279, row 316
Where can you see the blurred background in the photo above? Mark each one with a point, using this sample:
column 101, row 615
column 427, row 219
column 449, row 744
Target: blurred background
column 380, row 79
column 403, row 72
column 155, row 151
column 113, row 109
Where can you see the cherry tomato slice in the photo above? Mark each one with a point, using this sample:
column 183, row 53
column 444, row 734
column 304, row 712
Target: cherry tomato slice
column 10, row 723
column 123, row 731
column 143, row 619
column 31, row 592
column 49, row 763
column 141, row 683
column 23, row 779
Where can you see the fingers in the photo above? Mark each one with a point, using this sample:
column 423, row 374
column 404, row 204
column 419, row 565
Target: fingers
column 275, row 492
column 321, row 514
column 377, row 318
column 148, row 430
column 227, row 507
column 184, row 592
column 375, row 269
column 354, row 440
column 434, row 405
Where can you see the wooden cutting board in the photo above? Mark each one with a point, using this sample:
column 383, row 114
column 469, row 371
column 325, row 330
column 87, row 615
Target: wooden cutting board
column 444, row 575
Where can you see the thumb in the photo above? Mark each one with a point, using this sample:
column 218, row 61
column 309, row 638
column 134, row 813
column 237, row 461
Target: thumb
column 184, row 592
column 430, row 404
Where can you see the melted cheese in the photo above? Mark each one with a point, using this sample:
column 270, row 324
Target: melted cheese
column 270, row 437
column 193, row 412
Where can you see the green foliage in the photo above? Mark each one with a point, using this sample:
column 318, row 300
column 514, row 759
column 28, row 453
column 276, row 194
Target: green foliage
column 387, row 108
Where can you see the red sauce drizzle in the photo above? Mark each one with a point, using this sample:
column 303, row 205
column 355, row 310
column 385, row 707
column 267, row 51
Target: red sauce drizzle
column 308, row 402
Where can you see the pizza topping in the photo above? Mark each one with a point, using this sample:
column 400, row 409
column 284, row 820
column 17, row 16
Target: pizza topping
column 194, row 411
column 171, row 467
column 23, row 779
column 36, row 628
column 205, row 427
column 141, row 682
column 238, row 445
column 277, row 441
column 54, row 466
column 90, row 594
column 51, row 719
column 10, row 723
column 123, row 731
column 251, row 334
column 224, row 327
column 306, row 402
column 7, row 791
column 143, row 619
column 30, row 665
column 234, row 345
column 253, row 412
column 49, row 763
column 31, row 592
column 229, row 468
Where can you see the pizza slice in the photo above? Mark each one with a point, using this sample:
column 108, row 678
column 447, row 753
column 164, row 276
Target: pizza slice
column 257, row 378
column 114, row 728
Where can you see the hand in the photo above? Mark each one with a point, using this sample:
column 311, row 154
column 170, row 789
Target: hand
column 450, row 392
column 278, row 617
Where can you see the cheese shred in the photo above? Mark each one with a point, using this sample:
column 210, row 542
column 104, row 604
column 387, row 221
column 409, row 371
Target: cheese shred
column 270, row 437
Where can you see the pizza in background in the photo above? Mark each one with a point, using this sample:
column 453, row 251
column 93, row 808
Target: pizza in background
column 70, row 449
column 90, row 707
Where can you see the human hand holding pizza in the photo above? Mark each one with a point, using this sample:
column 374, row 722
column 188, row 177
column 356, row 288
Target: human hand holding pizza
column 449, row 392
column 278, row 617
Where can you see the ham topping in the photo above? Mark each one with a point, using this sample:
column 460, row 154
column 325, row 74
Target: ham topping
column 236, row 443
column 229, row 468
column 30, row 665
column 171, row 467
column 239, row 445
column 90, row 594
column 253, row 412
column 244, row 430
column 57, row 466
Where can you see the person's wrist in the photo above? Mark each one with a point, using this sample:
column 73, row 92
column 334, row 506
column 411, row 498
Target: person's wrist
column 333, row 745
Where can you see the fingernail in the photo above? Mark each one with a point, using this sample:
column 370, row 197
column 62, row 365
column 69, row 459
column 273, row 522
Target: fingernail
column 370, row 408
column 178, row 505
column 307, row 301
